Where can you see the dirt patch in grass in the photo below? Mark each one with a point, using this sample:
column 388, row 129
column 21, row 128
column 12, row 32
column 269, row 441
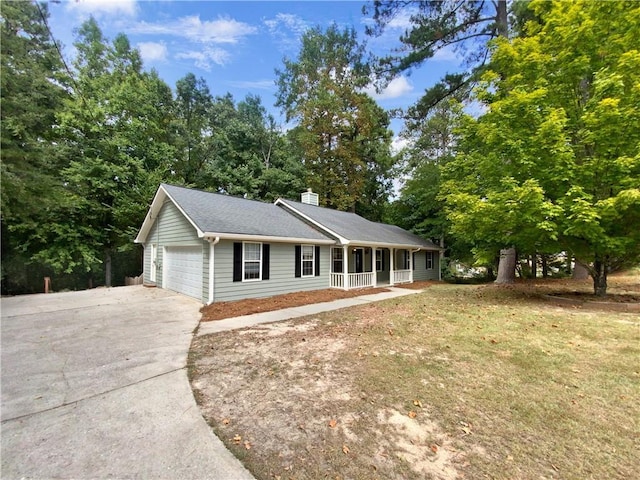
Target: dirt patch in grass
column 623, row 293
column 456, row 382
column 419, row 285
column 222, row 310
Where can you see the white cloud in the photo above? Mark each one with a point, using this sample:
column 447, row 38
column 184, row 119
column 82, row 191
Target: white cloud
column 398, row 87
column 402, row 21
column 398, row 144
column 266, row 84
column 222, row 30
column 447, row 54
column 153, row 51
column 287, row 29
column 205, row 57
column 103, row 7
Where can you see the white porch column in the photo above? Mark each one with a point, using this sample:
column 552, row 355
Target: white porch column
column 373, row 266
column 410, row 253
column 345, row 267
column 392, row 254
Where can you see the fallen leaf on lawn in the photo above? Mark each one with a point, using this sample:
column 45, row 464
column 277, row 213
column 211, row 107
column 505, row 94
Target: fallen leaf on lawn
column 434, row 448
column 345, row 449
column 226, row 421
column 247, row 445
column 391, row 332
column 417, row 403
column 237, row 439
column 412, row 414
column 466, row 430
column 333, row 423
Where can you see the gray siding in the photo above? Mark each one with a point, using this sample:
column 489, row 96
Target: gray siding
column 171, row 228
column 420, row 272
column 282, row 277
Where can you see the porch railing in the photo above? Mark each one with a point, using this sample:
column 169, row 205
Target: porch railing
column 360, row 280
column 337, row 280
column 402, row 276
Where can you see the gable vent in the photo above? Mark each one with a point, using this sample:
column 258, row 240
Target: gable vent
column 309, row 197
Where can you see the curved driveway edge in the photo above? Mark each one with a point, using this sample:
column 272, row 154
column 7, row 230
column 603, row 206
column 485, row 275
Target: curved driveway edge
column 94, row 385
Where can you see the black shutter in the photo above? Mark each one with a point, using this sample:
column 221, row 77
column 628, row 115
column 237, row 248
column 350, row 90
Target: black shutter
column 317, row 272
column 265, row 261
column 237, row 261
column 382, row 255
column 298, row 262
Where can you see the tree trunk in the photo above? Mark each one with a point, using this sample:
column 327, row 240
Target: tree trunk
column 580, row 271
column 502, row 19
column 599, row 274
column 107, row 269
column 534, row 266
column 545, row 266
column 507, row 266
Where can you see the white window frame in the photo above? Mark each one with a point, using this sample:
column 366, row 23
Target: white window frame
column 379, row 258
column 430, row 262
column 404, row 263
column 334, row 259
column 245, row 261
column 303, row 261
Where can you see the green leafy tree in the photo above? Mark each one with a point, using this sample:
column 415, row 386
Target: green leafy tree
column 115, row 131
column 465, row 25
column 341, row 133
column 192, row 119
column 33, row 83
column 555, row 161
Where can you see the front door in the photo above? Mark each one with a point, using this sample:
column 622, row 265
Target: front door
column 359, row 259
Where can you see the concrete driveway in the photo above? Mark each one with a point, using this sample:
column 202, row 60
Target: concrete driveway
column 94, row 385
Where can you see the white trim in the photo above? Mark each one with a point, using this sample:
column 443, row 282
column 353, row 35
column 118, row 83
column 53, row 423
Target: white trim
column 153, row 262
column 342, row 239
column 374, row 266
column 212, row 251
column 253, row 261
column 156, row 206
column 265, row 238
column 164, row 267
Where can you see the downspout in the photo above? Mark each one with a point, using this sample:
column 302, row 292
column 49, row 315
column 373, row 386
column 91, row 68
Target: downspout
column 212, row 243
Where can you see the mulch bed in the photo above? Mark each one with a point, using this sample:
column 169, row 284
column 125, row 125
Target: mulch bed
column 221, row 310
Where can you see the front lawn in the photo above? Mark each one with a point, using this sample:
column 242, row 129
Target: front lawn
column 455, row 382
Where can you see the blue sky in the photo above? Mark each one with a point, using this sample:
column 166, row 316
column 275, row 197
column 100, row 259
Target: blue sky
column 236, row 46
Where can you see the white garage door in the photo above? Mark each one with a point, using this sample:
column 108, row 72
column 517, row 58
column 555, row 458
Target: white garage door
column 183, row 270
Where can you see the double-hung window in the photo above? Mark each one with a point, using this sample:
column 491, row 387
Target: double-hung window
column 430, row 260
column 308, row 260
column 252, row 261
column 379, row 267
column 336, row 260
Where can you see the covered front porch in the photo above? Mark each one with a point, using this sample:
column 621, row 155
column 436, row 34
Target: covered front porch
column 361, row 266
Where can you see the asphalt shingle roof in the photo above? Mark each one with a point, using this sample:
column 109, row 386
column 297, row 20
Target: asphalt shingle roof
column 357, row 229
column 213, row 212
